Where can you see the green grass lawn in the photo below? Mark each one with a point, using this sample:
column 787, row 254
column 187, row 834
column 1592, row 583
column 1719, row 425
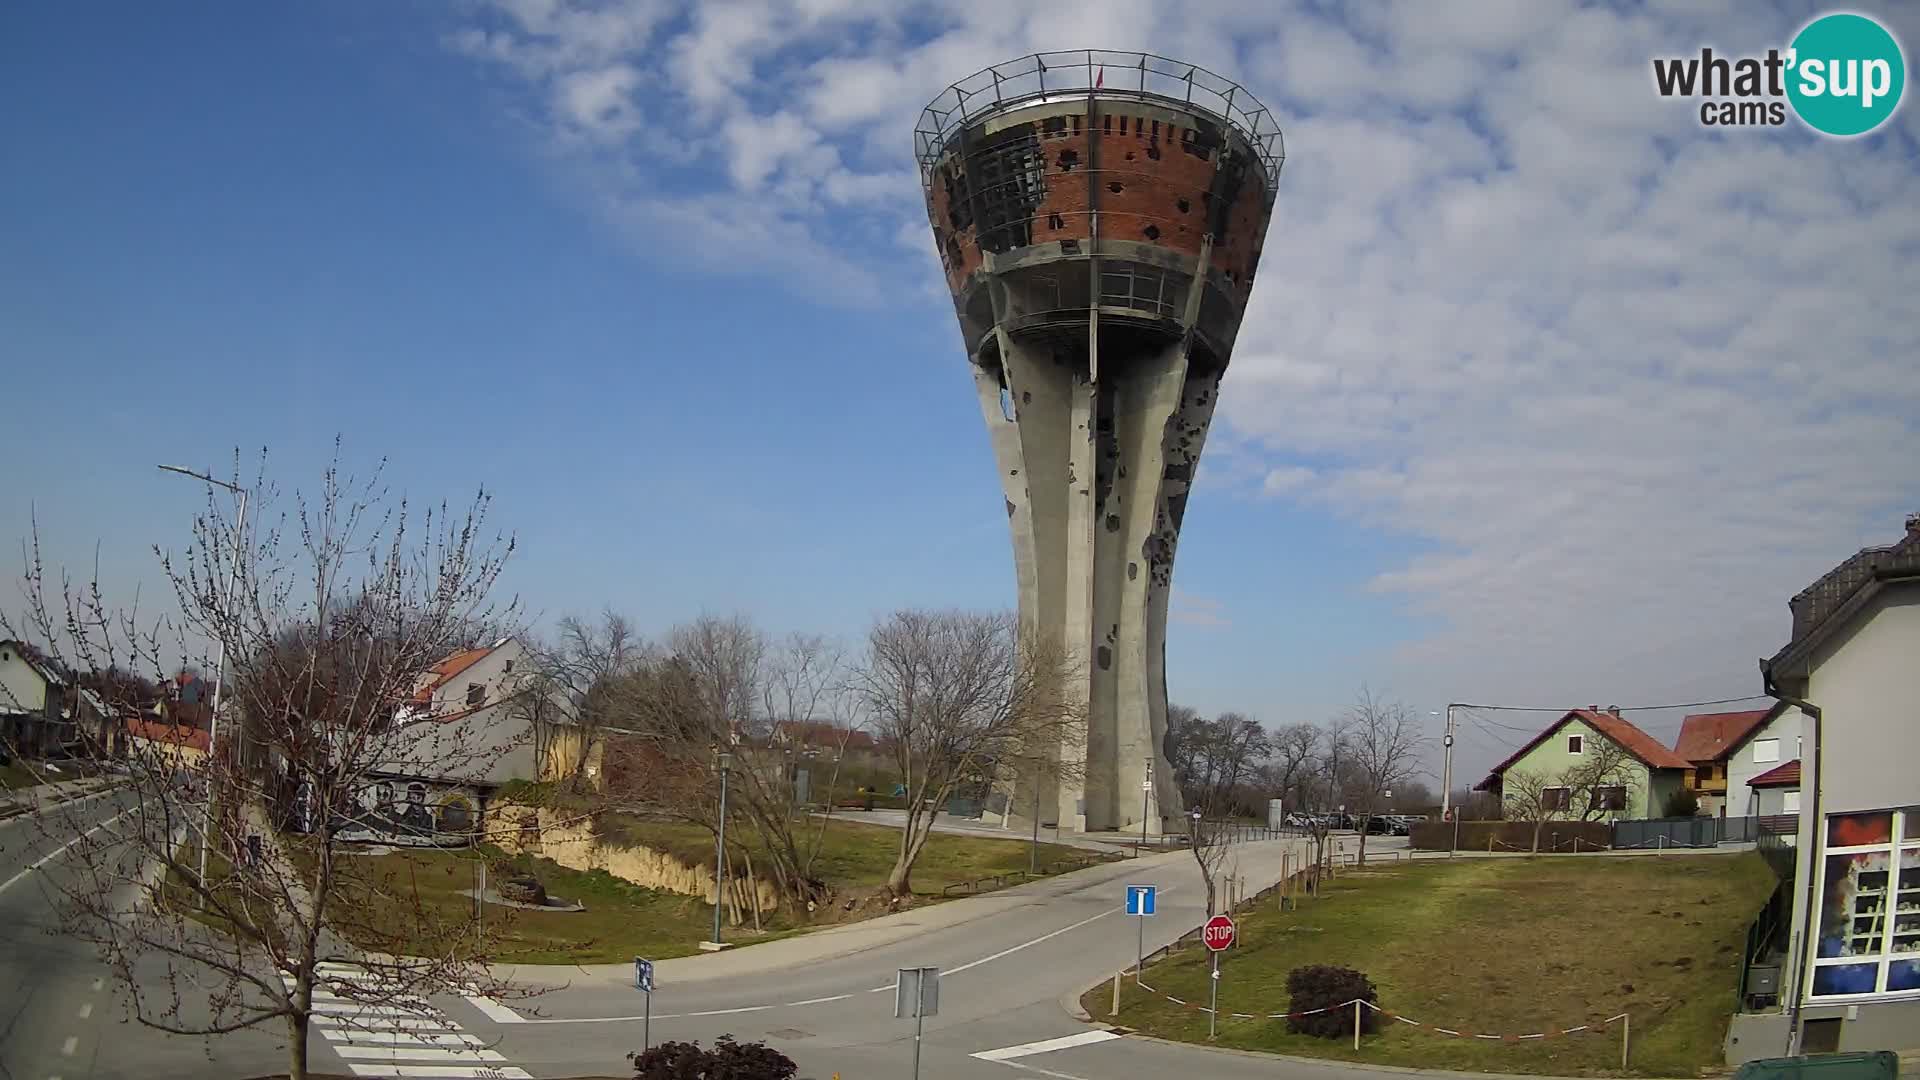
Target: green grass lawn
column 1500, row 946
column 623, row 920
column 856, row 855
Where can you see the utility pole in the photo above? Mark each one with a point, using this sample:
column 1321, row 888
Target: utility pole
column 720, row 849
column 1447, row 809
column 1146, row 797
column 220, row 663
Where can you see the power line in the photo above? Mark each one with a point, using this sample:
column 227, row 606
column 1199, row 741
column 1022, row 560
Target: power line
column 1622, row 708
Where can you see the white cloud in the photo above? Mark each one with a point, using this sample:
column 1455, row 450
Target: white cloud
column 1627, row 382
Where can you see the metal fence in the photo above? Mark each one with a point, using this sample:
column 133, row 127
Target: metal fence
column 1687, row 832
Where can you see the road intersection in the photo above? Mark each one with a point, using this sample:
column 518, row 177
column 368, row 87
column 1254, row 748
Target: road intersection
column 1013, row 964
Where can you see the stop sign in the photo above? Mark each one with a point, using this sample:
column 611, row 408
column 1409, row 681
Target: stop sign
column 1218, row 934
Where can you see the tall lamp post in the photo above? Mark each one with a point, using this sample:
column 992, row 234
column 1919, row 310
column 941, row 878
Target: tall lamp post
column 220, row 661
column 1146, row 797
column 720, row 849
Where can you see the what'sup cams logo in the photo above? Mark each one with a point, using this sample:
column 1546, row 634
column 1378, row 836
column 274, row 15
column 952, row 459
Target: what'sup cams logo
column 1843, row 75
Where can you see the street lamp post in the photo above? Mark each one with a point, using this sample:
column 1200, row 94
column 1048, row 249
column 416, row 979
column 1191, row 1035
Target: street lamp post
column 1146, row 797
column 220, row 661
column 720, row 847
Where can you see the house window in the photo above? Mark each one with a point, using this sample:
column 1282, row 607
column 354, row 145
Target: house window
column 1867, row 936
column 1556, row 798
column 1575, row 743
column 476, row 694
column 1790, row 802
column 1609, row 798
column 1702, row 774
column 1765, row 750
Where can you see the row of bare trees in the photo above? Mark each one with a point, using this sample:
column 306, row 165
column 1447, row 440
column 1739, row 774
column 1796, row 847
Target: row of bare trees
column 1358, row 762
column 949, row 699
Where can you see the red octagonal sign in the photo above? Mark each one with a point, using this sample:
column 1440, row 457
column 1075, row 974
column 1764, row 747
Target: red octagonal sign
column 1218, row 934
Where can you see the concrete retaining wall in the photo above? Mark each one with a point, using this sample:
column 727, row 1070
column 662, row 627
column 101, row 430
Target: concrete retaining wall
column 571, row 842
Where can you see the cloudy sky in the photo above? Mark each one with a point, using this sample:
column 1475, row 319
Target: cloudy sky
column 1547, row 394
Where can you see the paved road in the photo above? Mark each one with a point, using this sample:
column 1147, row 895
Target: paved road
column 1007, row 960
column 61, row 1016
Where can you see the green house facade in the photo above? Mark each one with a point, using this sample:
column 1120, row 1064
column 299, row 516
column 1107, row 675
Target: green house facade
column 1644, row 774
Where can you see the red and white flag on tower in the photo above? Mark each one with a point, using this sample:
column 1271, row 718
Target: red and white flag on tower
column 1100, row 79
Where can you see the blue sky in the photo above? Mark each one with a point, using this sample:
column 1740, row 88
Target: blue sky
column 1529, row 407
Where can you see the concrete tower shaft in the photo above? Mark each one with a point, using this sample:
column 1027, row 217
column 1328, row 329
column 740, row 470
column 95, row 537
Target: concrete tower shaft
column 1100, row 217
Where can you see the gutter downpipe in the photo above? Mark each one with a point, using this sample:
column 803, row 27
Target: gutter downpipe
column 1800, row 968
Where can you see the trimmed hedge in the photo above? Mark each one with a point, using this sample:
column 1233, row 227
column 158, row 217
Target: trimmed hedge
column 1513, row 835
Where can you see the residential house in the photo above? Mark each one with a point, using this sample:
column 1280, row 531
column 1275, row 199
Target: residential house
column 1705, row 740
column 477, row 730
column 1763, row 769
column 152, row 739
column 1856, row 924
column 1644, row 773
column 32, row 689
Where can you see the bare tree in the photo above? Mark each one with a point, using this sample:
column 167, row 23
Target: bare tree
column 328, row 616
column 1292, row 751
column 953, row 695
column 1385, row 741
column 1209, row 837
column 580, row 675
column 1584, row 791
column 1215, row 760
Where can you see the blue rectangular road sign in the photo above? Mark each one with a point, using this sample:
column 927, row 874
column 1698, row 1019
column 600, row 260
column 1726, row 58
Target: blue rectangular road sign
column 643, row 975
column 1140, row 899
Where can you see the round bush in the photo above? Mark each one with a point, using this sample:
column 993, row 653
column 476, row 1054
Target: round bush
column 1322, row 986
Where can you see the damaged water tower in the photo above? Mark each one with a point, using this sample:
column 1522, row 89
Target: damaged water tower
column 1100, row 217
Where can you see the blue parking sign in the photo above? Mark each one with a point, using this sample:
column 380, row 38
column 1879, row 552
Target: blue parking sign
column 643, row 975
column 1140, row 900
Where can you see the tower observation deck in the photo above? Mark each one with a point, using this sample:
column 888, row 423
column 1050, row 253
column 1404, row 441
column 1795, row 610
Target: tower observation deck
column 1100, row 217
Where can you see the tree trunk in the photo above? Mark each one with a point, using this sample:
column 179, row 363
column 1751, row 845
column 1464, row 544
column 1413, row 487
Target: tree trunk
column 1537, row 826
column 899, row 881
column 1210, row 892
column 297, row 1046
column 1364, row 822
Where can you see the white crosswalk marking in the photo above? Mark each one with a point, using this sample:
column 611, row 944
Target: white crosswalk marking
column 396, row 1035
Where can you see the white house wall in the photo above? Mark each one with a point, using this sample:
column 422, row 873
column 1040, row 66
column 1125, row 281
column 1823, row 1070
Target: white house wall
column 22, row 690
column 1790, row 729
column 1868, row 690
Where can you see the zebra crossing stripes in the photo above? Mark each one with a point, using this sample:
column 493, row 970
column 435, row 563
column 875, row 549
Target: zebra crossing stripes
column 402, row 1036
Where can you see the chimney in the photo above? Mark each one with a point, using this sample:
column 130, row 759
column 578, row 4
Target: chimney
column 1615, row 710
column 1593, row 708
column 1913, row 526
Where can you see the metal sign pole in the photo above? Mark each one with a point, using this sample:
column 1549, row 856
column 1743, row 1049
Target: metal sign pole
column 919, row 1019
column 1213, row 999
column 1140, row 950
column 646, row 1026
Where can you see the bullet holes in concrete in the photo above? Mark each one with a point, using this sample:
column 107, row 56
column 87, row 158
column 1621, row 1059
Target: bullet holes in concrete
column 1067, row 159
column 1153, row 151
column 1055, row 221
column 1113, row 523
column 1183, row 204
column 1010, row 508
column 1129, row 155
column 1133, row 571
column 1106, row 658
column 1006, row 403
column 1116, row 187
column 1151, row 232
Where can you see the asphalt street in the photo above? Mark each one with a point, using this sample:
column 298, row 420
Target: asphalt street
column 1012, row 962
column 1008, row 960
column 62, row 1016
